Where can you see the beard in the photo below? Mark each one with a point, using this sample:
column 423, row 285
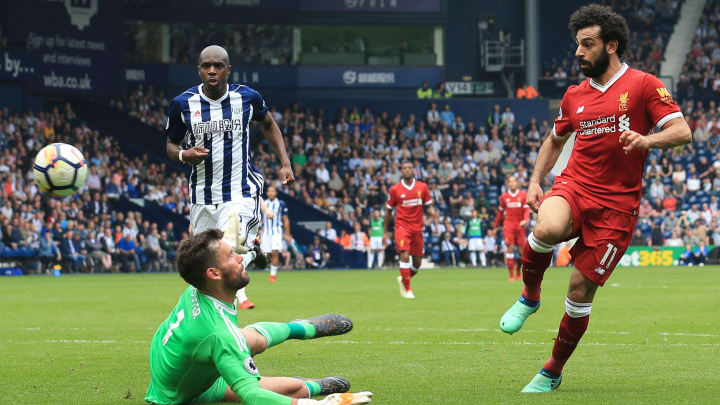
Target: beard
column 235, row 282
column 595, row 70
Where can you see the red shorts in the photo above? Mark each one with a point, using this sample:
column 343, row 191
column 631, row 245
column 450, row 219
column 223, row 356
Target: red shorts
column 406, row 239
column 604, row 233
column 514, row 236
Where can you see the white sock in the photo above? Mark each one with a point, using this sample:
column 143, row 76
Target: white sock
column 273, row 270
column 473, row 258
column 370, row 257
column 483, row 259
column 381, row 258
column 241, row 296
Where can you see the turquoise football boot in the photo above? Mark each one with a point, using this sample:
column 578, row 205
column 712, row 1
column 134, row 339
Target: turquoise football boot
column 515, row 317
column 543, row 382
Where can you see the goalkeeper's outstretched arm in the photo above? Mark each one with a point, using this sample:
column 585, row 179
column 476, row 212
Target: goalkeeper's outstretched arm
column 250, row 392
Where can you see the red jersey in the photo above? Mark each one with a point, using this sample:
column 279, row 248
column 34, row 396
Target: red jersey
column 598, row 167
column 409, row 202
column 513, row 208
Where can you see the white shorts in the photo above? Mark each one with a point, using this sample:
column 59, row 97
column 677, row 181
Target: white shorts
column 203, row 217
column 269, row 243
column 475, row 244
column 376, row 243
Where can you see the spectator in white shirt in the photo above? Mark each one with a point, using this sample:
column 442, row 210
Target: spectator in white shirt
column 329, row 232
column 322, row 174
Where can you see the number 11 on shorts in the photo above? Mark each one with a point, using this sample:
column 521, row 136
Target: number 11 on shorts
column 610, row 248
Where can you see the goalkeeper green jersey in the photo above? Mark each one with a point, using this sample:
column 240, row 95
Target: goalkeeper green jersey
column 376, row 227
column 475, row 228
column 199, row 346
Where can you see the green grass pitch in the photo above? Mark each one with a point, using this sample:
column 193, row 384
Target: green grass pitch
column 654, row 336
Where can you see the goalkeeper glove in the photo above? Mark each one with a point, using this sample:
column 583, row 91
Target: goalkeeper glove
column 340, row 399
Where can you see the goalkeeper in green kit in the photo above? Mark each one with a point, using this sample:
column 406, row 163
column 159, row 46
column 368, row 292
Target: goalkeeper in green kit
column 199, row 355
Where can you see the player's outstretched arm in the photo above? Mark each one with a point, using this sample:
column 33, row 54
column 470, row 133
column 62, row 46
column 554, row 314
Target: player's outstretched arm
column 674, row 133
column 250, row 393
column 274, row 136
column 346, row 398
column 547, row 156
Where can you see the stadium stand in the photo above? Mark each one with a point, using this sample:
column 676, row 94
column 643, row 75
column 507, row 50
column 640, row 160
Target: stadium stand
column 345, row 165
column 270, row 44
column 650, row 23
column 700, row 77
column 86, row 231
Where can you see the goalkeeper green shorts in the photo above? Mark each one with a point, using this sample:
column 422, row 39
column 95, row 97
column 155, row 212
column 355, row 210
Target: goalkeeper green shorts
column 216, row 393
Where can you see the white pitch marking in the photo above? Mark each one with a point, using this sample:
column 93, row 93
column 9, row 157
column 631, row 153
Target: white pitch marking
column 451, row 343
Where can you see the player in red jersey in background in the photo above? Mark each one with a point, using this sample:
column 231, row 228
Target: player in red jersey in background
column 515, row 216
column 411, row 197
column 597, row 196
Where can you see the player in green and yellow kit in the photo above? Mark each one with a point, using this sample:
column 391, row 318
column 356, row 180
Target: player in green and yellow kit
column 377, row 245
column 199, row 355
column 475, row 241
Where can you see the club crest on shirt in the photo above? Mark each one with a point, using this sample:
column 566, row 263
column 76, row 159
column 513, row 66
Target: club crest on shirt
column 623, row 100
column 237, row 110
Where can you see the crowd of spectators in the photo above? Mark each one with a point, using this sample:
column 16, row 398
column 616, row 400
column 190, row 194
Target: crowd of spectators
column 650, row 21
column 700, row 76
column 248, row 44
column 346, row 163
column 144, row 104
column 85, row 232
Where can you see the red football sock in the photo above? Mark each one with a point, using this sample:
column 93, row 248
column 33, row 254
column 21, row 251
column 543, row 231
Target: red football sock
column 571, row 330
column 511, row 265
column 406, row 274
column 534, row 265
column 518, row 268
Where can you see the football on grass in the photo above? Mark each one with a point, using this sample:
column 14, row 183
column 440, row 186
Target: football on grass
column 60, row 169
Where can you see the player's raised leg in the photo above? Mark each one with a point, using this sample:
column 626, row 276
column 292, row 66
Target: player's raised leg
column 263, row 335
column 572, row 327
column 554, row 224
column 240, row 222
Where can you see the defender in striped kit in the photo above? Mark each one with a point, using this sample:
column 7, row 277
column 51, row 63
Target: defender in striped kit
column 276, row 225
column 212, row 123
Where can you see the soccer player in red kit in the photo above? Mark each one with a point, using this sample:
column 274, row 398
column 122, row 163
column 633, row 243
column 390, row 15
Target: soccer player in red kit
column 515, row 215
column 411, row 197
column 596, row 197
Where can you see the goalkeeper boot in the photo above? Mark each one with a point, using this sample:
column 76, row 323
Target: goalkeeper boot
column 330, row 385
column 515, row 317
column 329, row 324
column 544, row 381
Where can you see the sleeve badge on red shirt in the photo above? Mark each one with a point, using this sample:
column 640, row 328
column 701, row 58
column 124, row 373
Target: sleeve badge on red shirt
column 664, row 95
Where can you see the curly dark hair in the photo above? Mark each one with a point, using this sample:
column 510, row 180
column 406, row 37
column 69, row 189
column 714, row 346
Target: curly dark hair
column 613, row 26
column 196, row 254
